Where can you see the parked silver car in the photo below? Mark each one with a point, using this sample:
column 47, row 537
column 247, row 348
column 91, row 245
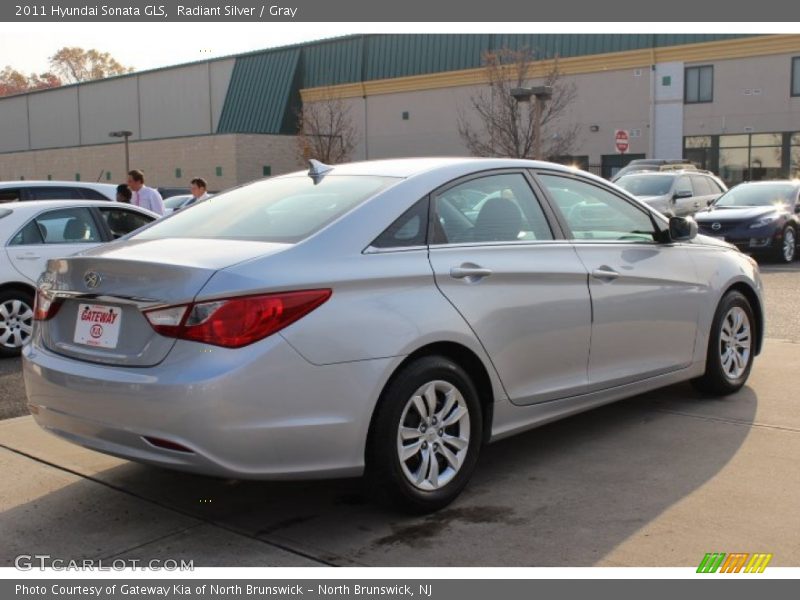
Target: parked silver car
column 680, row 193
column 363, row 318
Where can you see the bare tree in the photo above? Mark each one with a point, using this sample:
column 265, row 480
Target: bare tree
column 507, row 127
column 325, row 130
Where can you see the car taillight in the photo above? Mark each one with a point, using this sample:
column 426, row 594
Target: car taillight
column 45, row 306
column 235, row 322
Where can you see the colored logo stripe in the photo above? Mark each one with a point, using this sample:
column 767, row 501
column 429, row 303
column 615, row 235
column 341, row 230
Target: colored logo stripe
column 734, row 562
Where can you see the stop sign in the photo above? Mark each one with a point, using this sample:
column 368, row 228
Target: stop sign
column 621, row 140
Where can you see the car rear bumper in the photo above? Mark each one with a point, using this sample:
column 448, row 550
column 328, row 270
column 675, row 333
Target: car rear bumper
column 260, row 412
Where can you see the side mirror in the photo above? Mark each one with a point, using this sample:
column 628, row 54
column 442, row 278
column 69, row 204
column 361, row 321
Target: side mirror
column 682, row 194
column 710, row 201
column 682, row 229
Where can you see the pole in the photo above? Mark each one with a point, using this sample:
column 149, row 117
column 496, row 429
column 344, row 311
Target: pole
column 537, row 128
column 127, row 157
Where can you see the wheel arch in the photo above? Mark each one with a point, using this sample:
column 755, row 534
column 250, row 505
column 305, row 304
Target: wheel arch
column 18, row 285
column 466, row 359
column 758, row 310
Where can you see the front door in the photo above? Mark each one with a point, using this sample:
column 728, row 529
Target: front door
column 523, row 292
column 645, row 294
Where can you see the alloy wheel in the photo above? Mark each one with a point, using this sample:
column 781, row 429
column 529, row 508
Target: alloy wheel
column 433, row 435
column 789, row 244
column 735, row 341
column 16, row 323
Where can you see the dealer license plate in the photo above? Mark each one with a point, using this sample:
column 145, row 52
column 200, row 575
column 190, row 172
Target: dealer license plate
column 98, row 325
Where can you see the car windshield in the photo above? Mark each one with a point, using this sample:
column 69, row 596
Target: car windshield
column 650, row 184
column 759, row 195
column 176, row 201
column 282, row 210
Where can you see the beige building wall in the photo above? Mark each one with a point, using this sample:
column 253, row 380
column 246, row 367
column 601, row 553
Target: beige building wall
column 222, row 160
column 611, row 100
column 748, row 93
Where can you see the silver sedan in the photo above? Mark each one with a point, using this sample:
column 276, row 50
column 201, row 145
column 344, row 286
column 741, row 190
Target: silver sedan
column 386, row 318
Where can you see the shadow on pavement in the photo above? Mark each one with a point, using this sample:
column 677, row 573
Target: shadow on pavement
column 562, row 495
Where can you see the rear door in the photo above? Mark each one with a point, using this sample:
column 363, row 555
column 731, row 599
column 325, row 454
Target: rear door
column 704, row 193
column 645, row 295
column 499, row 261
column 52, row 234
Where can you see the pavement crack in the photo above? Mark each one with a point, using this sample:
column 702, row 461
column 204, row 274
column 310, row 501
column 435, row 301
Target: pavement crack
column 728, row 421
column 154, row 540
column 274, row 544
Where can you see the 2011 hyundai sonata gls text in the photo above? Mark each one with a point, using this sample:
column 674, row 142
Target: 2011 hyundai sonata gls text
column 385, row 317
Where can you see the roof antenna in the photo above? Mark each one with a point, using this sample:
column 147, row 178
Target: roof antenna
column 318, row 170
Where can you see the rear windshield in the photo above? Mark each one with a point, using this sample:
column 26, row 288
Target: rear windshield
column 649, row 184
column 282, row 210
column 761, row 194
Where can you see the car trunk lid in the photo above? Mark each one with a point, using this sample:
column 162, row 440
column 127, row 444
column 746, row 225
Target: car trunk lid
column 103, row 293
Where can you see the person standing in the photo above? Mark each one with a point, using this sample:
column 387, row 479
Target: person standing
column 124, row 193
column 199, row 189
column 143, row 196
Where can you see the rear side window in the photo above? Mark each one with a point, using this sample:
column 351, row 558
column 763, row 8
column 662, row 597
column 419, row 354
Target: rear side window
column 494, row 208
column 54, row 193
column 90, row 194
column 282, row 210
column 702, row 186
column 410, row 229
column 62, row 226
column 10, row 195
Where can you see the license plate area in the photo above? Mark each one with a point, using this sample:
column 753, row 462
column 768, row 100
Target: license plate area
column 98, row 325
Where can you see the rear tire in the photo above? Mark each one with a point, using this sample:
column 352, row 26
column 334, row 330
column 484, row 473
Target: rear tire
column 731, row 344
column 16, row 321
column 425, row 437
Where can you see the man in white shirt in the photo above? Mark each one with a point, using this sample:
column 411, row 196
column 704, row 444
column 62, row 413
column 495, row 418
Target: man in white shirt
column 144, row 196
column 199, row 189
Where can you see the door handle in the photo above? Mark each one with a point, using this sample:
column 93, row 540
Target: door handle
column 605, row 273
column 28, row 257
column 470, row 272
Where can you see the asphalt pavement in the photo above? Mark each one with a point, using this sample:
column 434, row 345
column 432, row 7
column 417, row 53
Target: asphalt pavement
column 656, row 480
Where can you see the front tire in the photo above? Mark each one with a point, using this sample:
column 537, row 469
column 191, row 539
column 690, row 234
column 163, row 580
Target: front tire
column 16, row 321
column 787, row 249
column 730, row 347
column 425, row 437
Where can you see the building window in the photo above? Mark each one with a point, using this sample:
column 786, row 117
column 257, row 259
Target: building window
column 796, row 76
column 699, row 84
column 178, row 173
column 794, row 153
column 218, row 171
column 744, row 156
column 266, row 170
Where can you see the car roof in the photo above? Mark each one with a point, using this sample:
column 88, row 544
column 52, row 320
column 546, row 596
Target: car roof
column 39, row 205
column 794, row 182
column 409, row 167
column 55, row 183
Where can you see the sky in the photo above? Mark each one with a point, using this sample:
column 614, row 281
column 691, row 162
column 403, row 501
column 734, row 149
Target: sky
column 27, row 46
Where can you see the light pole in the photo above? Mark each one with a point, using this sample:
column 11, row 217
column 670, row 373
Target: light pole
column 124, row 134
column 541, row 93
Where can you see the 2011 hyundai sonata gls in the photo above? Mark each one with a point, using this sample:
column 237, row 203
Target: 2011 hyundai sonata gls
column 387, row 317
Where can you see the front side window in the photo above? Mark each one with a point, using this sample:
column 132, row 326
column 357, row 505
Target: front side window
column 495, row 208
column 683, row 187
column 699, row 84
column 648, row 184
column 281, row 210
column 593, row 213
column 122, row 221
